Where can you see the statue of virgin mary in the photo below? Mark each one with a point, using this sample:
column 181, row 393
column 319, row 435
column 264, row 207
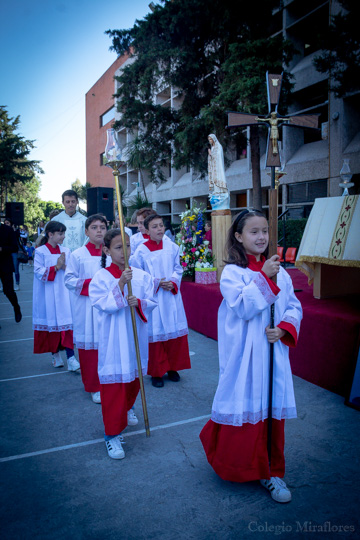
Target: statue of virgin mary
column 218, row 191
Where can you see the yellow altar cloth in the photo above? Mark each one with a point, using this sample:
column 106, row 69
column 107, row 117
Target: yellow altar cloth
column 331, row 236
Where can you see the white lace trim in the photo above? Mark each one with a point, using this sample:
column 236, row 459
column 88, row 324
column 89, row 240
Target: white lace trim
column 293, row 321
column 156, row 284
column 45, row 275
column 120, row 377
column 248, row 417
column 46, row 328
column 119, row 298
column 264, row 288
column 171, row 335
column 86, row 346
column 176, row 281
column 143, row 304
column 79, row 285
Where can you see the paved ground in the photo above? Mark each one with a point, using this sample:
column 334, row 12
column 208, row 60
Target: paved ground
column 57, row 481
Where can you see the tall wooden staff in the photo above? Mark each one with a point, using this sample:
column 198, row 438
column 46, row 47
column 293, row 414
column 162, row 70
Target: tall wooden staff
column 273, row 120
column 113, row 155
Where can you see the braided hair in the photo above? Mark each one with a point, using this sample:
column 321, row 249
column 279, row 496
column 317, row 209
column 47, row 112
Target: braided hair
column 109, row 236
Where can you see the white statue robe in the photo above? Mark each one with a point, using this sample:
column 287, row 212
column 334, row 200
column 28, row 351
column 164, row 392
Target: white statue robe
column 51, row 305
column 117, row 355
column 162, row 261
column 243, row 390
column 216, row 167
column 75, row 229
column 82, row 266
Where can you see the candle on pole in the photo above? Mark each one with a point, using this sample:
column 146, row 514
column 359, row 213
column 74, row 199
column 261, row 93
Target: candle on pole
column 113, row 155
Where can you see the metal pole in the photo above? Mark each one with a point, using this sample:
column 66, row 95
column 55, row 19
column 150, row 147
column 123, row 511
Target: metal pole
column 272, row 251
column 132, row 309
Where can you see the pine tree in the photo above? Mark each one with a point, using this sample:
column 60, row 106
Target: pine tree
column 15, row 167
column 193, row 46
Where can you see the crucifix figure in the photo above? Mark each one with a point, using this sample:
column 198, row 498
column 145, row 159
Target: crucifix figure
column 273, row 120
column 274, row 131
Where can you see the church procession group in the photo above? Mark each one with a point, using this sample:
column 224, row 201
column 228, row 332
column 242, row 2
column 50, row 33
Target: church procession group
column 81, row 299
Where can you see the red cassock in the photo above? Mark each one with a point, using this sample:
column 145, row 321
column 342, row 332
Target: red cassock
column 168, row 330
column 82, row 266
column 235, row 439
column 52, row 319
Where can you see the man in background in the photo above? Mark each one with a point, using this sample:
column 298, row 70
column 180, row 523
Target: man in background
column 8, row 246
column 73, row 220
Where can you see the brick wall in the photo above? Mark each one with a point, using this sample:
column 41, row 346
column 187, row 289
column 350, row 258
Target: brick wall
column 98, row 100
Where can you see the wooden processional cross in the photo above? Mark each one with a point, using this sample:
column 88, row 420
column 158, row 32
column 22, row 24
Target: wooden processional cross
column 273, row 121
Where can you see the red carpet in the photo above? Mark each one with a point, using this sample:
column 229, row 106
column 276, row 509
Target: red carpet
column 329, row 337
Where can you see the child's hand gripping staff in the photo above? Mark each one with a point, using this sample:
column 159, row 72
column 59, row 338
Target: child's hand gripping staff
column 274, row 268
column 126, row 277
column 131, row 299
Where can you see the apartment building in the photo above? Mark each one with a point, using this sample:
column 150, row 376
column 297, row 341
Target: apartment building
column 312, row 160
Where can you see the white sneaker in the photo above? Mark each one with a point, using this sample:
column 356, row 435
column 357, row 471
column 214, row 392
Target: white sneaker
column 73, row 364
column 57, row 361
column 114, row 448
column 278, row 489
column 95, row 396
column 132, row 418
column 16, row 287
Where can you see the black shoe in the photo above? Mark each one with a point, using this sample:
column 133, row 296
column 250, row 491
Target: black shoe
column 173, row 376
column 18, row 315
column 157, row 382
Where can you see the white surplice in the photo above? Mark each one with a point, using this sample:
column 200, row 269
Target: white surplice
column 117, row 355
column 82, row 266
column 168, row 320
column 75, row 236
column 51, row 304
column 135, row 241
column 243, row 391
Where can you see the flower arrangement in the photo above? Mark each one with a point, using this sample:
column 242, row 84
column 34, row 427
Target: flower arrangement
column 194, row 252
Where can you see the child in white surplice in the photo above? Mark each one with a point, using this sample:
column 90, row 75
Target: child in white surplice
column 235, row 439
column 81, row 268
column 52, row 318
column 168, row 329
column 117, row 366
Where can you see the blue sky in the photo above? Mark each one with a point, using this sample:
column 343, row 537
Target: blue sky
column 52, row 52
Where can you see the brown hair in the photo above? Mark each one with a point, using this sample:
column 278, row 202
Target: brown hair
column 69, row 193
column 95, row 217
column 145, row 212
column 149, row 219
column 235, row 250
column 52, row 227
column 108, row 238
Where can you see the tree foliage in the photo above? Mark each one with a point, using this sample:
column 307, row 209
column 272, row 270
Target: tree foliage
column 341, row 55
column 137, row 158
column 15, row 166
column 81, row 189
column 35, row 209
column 214, row 55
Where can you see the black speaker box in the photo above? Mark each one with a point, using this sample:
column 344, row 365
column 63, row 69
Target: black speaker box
column 15, row 212
column 100, row 200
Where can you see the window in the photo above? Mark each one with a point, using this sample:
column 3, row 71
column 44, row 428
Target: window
column 107, row 116
column 307, row 191
column 103, row 160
